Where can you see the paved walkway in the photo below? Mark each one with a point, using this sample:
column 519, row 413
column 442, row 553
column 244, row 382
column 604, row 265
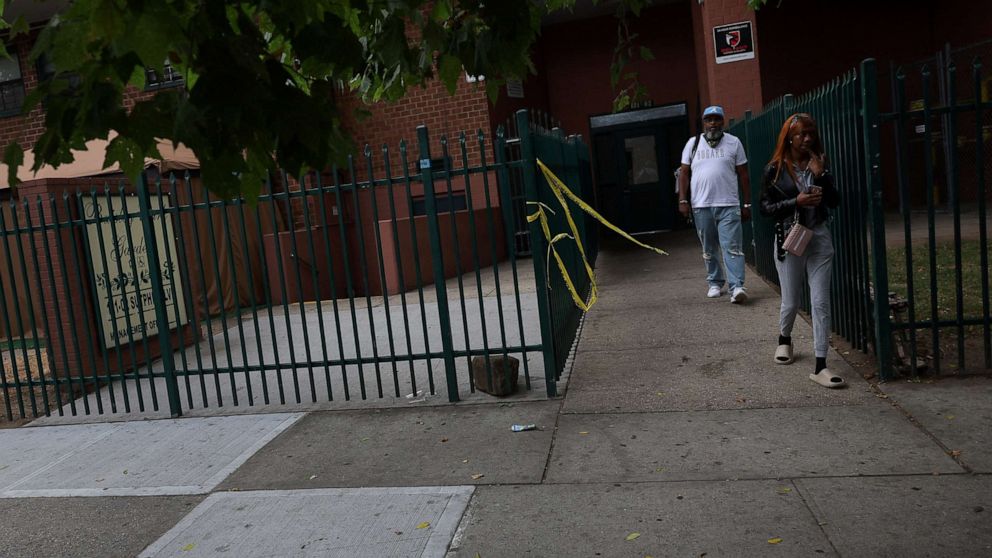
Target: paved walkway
column 676, row 436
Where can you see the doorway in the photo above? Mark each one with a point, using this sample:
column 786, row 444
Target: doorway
column 635, row 153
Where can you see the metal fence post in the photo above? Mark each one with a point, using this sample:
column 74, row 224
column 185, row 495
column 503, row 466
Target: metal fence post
column 880, row 273
column 538, row 249
column 434, row 231
column 158, row 294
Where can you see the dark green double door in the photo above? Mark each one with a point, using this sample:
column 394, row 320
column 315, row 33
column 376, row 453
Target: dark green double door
column 635, row 155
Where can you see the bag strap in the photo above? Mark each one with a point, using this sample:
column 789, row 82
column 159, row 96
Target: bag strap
column 694, row 147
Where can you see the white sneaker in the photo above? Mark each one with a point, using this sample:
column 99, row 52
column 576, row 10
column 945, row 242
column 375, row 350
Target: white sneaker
column 714, row 292
column 739, row 296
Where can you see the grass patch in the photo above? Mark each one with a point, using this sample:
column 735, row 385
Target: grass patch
column 946, row 279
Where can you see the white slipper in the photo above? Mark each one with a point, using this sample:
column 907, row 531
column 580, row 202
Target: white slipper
column 826, row 378
column 783, row 354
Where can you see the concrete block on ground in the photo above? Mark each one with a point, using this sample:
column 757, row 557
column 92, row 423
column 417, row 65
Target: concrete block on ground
column 495, row 374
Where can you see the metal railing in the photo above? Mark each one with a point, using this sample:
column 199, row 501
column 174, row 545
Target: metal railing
column 884, row 163
column 380, row 280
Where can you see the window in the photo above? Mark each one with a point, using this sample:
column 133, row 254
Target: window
column 46, row 71
column 11, row 85
column 443, row 202
column 169, row 78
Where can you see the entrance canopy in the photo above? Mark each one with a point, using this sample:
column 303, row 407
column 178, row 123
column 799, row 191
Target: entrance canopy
column 89, row 162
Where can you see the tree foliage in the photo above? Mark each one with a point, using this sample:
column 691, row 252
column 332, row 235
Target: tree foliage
column 262, row 79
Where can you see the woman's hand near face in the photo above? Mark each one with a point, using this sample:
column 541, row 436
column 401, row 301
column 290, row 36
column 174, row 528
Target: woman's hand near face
column 816, row 164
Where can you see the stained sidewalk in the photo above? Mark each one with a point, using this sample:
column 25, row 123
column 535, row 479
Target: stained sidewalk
column 676, row 436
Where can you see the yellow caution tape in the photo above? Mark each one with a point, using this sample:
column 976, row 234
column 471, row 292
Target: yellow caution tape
column 561, row 192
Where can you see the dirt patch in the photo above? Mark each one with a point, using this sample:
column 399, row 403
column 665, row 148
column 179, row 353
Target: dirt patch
column 17, row 401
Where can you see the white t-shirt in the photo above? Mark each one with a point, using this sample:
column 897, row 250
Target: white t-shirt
column 714, row 171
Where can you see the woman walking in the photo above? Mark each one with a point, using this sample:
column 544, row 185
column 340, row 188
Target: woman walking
column 798, row 188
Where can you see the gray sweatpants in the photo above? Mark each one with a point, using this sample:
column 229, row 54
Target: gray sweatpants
column 816, row 264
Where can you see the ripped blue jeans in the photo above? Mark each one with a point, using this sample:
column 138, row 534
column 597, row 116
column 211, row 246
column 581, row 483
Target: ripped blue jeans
column 719, row 230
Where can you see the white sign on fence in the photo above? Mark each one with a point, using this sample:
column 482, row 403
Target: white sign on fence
column 125, row 300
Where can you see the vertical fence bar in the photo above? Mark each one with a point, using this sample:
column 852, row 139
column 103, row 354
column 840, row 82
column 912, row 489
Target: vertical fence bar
column 401, row 274
column 434, row 229
column 364, row 261
column 418, row 272
column 508, row 206
column 315, row 281
column 474, row 236
column 28, row 377
column 6, row 234
column 538, row 249
column 203, row 286
column 155, row 273
column 902, row 173
column 294, row 257
column 268, row 291
column 100, row 335
column 349, row 281
column 459, row 270
column 976, row 73
column 381, row 268
column 49, row 339
column 953, row 187
column 322, row 204
column 227, row 237
column 253, row 303
column 86, row 308
column 60, row 251
column 931, row 218
column 173, row 268
column 115, row 250
column 883, row 327
column 186, row 282
column 490, row 221
column 215, row 255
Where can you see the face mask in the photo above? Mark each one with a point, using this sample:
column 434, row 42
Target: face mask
column 713, row 137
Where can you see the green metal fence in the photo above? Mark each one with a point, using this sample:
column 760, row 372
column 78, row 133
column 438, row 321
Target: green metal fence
column 884, row 160
column 940, row 122
column 379, row 280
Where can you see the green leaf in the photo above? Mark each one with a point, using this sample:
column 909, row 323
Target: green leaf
column 13, row 157
column 646, row 54
column 442, row 11
column 449, row 72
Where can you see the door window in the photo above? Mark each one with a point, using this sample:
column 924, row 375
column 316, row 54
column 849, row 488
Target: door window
column 642, row 160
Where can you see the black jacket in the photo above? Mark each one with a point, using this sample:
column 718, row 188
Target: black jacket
column 778, row 201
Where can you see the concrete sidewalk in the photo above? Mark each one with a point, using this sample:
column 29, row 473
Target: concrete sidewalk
column 676, row 436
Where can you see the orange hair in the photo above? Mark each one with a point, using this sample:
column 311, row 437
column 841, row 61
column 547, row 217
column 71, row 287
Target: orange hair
column 782, row 156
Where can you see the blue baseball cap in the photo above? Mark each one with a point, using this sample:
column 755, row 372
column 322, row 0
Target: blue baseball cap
column 715, row 109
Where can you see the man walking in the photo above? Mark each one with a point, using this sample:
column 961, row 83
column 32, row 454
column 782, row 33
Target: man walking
column 715, row 165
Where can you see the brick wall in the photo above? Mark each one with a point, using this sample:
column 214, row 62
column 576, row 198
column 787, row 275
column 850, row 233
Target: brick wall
column 734, row 85
column 443, row 114
column 577, row 58
column 28, row 128
column 911, row 31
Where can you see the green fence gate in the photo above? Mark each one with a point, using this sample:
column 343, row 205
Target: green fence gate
column 382, row 279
